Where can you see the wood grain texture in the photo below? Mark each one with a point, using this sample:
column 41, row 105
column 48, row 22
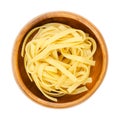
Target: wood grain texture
column 97, row 72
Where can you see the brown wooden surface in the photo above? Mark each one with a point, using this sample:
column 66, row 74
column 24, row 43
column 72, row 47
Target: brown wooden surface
column 97, row 72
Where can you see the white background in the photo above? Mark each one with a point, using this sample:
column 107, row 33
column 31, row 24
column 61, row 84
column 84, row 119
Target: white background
column 104, row 104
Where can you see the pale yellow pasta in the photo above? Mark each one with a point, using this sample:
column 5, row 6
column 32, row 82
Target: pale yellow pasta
column 58, row 59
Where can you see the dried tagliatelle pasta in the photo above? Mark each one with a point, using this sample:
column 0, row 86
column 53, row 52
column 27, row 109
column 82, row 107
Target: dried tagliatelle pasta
column 58, row 59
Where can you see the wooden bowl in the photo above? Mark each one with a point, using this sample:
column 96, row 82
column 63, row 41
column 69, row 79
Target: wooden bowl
column 97, row 72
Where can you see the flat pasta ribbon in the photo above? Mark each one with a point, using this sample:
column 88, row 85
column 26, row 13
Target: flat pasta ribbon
column 58, row 59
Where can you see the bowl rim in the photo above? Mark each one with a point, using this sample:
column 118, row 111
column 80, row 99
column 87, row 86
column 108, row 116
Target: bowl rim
column 47, row 15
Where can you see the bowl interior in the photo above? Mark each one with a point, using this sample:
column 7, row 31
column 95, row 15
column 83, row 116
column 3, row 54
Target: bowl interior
column 95, row 71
